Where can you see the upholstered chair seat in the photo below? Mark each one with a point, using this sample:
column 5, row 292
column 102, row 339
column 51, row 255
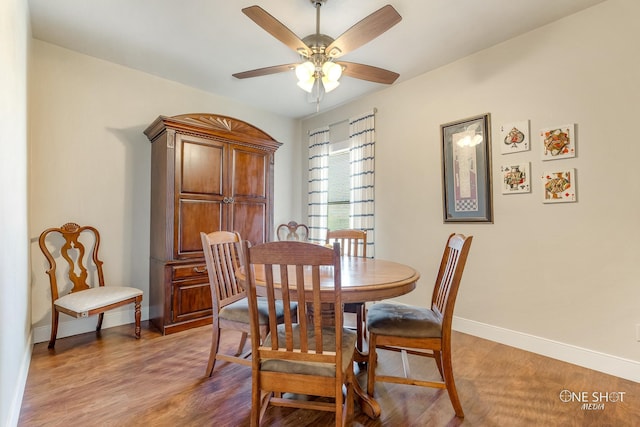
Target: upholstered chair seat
column 239, row 311
column 307, row 368
column 83, row 302
column 404, row 321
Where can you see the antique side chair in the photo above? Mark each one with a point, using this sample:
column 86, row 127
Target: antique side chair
column 293, row 231
column 78, row 287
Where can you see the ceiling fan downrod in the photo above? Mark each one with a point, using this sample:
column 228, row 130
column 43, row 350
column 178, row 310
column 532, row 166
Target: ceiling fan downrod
column 317, row 4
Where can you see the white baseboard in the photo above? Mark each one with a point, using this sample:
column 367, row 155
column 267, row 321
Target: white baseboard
column 16, row 401
column 68, row 326
column 606, row 363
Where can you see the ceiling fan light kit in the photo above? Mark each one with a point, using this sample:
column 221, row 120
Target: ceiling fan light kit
column 319, row 72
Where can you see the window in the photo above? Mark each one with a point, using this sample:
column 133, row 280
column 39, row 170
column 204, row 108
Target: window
column 339, row 188
column 341, row 178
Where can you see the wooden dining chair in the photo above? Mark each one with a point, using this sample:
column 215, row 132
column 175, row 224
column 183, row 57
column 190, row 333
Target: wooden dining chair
column 312, row 357
column 292, row 231
column 222, row 254
column 421, row 331
column 352, row 243
column 78, row 286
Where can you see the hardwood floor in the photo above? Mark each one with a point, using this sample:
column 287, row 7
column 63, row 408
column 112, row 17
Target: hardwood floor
column 115, row 380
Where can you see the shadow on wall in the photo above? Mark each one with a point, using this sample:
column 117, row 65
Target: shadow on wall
column 137, row 195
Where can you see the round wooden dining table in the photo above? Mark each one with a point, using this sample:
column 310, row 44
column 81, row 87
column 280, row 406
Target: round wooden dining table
column 363, row 280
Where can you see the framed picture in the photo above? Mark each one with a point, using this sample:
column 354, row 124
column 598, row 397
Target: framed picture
column 559, row 186
column 514, row 137
column 558, row 142
column 466, row 170
column 516, row 178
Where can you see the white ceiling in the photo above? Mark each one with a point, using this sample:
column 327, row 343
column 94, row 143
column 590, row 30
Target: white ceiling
column 200, row 43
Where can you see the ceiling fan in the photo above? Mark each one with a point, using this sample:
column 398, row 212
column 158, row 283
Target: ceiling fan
column 319, row 51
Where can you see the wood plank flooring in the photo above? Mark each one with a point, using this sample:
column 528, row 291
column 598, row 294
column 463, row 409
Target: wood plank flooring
column 111, row 379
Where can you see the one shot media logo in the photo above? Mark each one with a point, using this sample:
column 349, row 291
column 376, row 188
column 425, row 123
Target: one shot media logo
column 592, row 400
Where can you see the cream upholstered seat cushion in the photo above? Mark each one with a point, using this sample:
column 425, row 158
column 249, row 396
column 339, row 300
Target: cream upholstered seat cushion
column 404, row 321
column 311, row 368
column 239, row 311
column 84, row 301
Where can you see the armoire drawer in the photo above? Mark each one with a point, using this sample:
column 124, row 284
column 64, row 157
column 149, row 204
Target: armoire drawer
column 189, row 271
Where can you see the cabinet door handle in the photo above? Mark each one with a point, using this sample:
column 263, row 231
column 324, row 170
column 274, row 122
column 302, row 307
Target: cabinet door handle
column 200, row 270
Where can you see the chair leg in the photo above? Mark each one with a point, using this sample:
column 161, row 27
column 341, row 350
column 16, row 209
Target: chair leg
column 54, row 327
column 215, row 342
column 360, row 326
column 243, row 341
column 372, row 364
column 349, row 402
column 450, row 383
column 259, row 403
column 437, row 356
column 99, row 325
column 138, row 315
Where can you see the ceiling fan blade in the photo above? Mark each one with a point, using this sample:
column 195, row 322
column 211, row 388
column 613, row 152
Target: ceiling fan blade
column 277, row 29
column 364, row 31
column 368, row 72
column 265, row 71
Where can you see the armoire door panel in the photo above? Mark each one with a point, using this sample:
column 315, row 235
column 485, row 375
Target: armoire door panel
column 202, row 166
column 196, row 216
column 248, row 220
column 249, row 177
column 191, row 300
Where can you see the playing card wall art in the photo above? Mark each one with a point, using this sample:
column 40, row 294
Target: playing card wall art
column 516, row 178
column 514, row 137
column 559, row 186
column 558, row 142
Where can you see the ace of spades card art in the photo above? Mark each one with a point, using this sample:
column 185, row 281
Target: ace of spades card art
column 514, row 137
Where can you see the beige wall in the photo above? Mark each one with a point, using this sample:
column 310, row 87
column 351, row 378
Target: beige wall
column 563, row 276
column 15, row 343
column 90, row 162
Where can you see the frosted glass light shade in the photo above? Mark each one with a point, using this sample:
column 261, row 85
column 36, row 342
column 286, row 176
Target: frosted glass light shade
column 331, row 71
column 305, row 71
column 329, row 85
column 307, row 85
